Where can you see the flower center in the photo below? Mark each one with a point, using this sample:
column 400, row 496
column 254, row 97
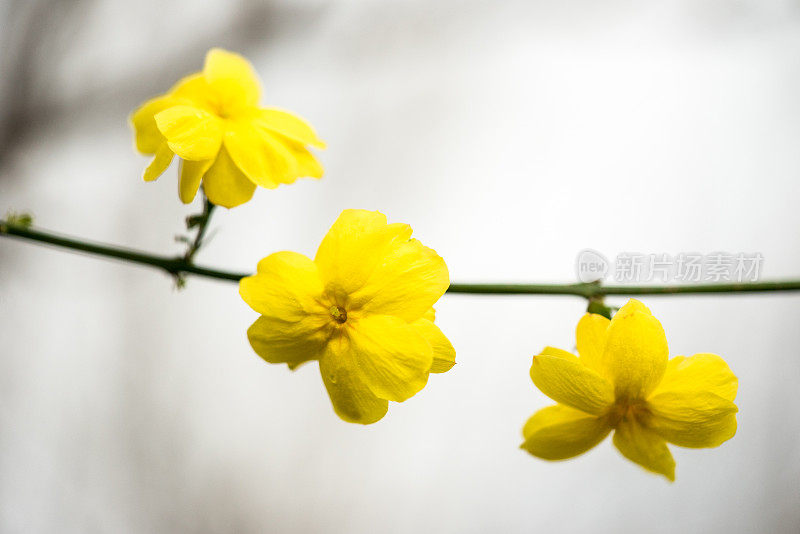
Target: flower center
column 338, row 313
column 628, row 410
column 224, row 106
column 224, row 110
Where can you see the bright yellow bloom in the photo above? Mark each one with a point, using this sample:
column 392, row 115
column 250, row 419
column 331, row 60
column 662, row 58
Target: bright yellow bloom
column 362, row 307
column 211, row 120
column 624, row 381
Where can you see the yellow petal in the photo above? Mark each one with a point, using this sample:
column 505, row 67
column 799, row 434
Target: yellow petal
column 232, row 77
column 289, row 125
column 409, row 280
column 304, row 162
column 148, row 136
column 262, row 159
column 559, row 353
column 430, row 315
column 591, row 338
column 160, row 163
column 190, row 175
column 286, row 287
column 393, row 359
column 444, row 355
column 286, row 291
column 568, row 382
column 701, row 372
column 636, row 352
column 351, row 398
column 644, row 447
column 292, row 343
column 692, row 419
column 355, row 244
column 559, row 432
column 193, row 90
column 192, row 133
column 226, row 185
column 634, row 305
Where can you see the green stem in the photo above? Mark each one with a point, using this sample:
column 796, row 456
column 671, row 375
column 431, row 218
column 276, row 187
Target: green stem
column 173, row 265
column 201, row 221
column 177, row 265
column 595, row 290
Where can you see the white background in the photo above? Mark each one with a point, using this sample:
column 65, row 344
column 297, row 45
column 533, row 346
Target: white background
column 510, row 135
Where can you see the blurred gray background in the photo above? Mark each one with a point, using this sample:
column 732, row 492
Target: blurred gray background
column 511, row 135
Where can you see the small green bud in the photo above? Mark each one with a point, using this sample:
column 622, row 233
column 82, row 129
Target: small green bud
column 21, row 220
column 598, row 306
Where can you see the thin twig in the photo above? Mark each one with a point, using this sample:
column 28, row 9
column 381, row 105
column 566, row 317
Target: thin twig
column 178, row 265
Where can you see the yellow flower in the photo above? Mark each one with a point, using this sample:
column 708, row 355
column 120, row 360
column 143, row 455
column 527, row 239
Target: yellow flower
column 211, row 120
column 624, row 381
column 362, row 307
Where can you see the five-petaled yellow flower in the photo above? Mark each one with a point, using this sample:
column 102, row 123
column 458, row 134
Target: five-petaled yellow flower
column 211, row 120
column 362, row 307
column 624, row 381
